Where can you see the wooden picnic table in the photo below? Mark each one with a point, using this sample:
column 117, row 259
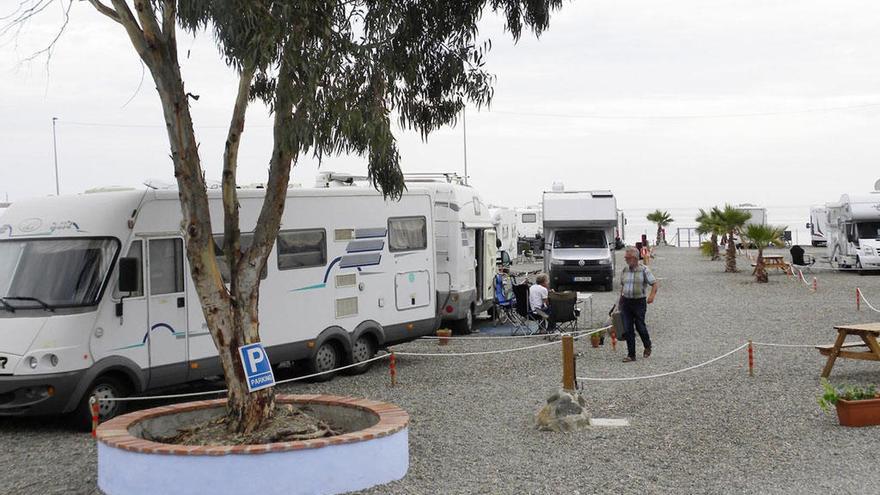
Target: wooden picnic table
column 773, row 261
column 868, row 332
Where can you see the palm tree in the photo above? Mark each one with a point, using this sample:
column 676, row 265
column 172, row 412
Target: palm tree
column 731, row 221
column 662, row 219
column 709, row 223
column 763, row 236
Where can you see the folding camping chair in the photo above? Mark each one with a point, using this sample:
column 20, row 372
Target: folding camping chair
column 563, row 314
column 800, row 259
column 532, row 323
column 505, row 304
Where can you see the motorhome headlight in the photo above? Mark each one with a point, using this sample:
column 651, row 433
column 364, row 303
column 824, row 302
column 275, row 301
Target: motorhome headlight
column 53, row 360
column 606, row 261
column 32, row 362
column 554, row 261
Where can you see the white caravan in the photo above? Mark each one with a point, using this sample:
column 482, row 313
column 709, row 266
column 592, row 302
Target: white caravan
column 466, row 249
column 854, row 231
column 818, row 226
column 579, row 231
column 759, row 214
column 530, row 227
column 350, row 274
column 504, row 220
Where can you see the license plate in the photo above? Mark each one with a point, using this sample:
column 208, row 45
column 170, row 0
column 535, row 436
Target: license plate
column 583, row 279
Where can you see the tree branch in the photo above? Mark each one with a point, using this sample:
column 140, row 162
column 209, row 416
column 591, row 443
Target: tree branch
column 169, row 20
column 107, row 11
column 150, row 25
column 135, row 34
column 231, row 230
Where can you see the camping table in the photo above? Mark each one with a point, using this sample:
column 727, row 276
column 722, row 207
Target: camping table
column 868, row 333
column 582, row 298
column 773, row 261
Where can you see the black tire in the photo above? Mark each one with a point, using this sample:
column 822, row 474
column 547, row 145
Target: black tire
column 363, row 349
column 104, row 387
column 325, row 358
column 609, row 286
column 464, row 326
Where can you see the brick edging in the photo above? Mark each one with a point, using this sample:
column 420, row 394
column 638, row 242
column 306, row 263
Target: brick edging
column 114, row 433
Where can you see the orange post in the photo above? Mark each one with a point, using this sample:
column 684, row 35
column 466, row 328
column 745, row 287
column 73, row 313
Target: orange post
column 751, row 359
column 93, row 403
column 613, row 340
column 393, row 368
column 815, row 284
column 858, row 299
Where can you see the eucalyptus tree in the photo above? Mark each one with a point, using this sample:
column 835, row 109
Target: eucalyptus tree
column 662, row 219
column 763, row 236
column 333, row 74
column 731, row 221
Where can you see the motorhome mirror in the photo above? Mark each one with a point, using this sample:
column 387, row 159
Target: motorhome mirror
column 809, row 225
column 128, row 274
column 498, row 243
column 505, row 258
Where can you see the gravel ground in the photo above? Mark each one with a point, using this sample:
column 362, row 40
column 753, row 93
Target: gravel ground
column 711, row 430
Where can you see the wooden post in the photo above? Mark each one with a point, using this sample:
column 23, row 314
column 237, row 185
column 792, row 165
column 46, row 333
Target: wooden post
column 568, row 372
column 751, row 359
column 858, row 299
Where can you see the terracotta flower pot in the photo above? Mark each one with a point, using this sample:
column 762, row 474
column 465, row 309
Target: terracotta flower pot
column 444, row 335
column 858, row 412
column 595, row 339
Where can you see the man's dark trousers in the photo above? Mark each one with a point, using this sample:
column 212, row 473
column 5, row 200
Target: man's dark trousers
column 632, row 311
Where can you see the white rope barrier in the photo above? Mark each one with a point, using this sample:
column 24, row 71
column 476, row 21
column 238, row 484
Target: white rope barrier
column 862, row 295
column 480, row 353
column 658, row 375
column 770, row 344
column 507, row 337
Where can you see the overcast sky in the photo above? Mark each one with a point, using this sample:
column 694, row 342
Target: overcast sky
column 682, row 103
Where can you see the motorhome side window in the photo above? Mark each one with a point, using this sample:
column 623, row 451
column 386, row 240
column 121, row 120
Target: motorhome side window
column 529, row 218
column 407, row 233
column 302, row 249
column 135, row 251
column 166, row 266
column 245, row 241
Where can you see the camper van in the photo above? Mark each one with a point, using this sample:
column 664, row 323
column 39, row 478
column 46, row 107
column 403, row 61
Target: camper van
column 350, row 273
column 579, row 228
column 759, row 214
column 818, row 225
column 853, row 238
column 504, row 220
column 530, row 227
column 466, row 249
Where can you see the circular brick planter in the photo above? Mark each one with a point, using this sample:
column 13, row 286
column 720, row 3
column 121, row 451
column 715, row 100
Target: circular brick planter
column 376, row 451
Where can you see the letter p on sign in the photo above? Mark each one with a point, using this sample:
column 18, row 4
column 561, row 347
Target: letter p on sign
column 256, row 367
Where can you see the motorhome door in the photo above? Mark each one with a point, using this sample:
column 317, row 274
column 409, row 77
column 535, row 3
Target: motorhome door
column 167, row 328
column 488, row 269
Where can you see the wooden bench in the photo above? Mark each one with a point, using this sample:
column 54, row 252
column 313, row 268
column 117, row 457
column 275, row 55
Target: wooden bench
column 826, row 349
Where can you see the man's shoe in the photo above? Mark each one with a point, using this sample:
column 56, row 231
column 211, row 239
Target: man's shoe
column 647, row 352
column 628, row 359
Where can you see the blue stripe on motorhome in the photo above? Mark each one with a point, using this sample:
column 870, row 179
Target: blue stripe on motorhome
column 355, row 260
column 370, row 233
column 364, row 246
column 310, row 287
column 330, row 267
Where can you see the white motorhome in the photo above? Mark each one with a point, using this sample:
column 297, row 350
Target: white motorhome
column 350, row 274
column 504, row 220
column 466, row 249
column 579, row 231
column 853, row 239
column 818, row 226
column 530, row 227
column 759, row 214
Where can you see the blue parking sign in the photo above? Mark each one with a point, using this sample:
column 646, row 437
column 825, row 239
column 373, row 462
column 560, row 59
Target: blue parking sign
column 256, row 366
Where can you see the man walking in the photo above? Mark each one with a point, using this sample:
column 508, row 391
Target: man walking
column 634, row 282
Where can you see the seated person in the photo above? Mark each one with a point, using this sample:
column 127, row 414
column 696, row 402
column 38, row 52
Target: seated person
column 539, row 303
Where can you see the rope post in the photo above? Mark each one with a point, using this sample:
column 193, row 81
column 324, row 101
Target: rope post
column 751, row 359
column 613, row 340
column 392, row 366
column 858, row 299
column 815, row 284
column 568, row 372
column 93, row 406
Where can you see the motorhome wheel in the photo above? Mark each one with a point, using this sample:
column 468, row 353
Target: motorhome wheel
column 326, row 358
column 104, row 387
column 362, row 350
column 609, row 286
column 465, row 325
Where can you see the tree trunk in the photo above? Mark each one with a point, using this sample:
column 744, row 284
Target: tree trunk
column 714, row 241
column 659, row 235
column 760, row 272
column 730, row 265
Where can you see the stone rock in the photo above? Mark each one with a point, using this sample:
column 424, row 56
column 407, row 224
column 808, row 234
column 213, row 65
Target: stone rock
column 564, row 411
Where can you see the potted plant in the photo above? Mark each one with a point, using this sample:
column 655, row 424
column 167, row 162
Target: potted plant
column 856, row 406
column 596, row 338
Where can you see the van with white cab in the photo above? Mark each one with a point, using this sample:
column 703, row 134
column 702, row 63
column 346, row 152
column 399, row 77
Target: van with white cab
column 853, row 240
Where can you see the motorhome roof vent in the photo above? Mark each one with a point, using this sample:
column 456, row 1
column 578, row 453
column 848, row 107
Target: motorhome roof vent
column 105, row 189
column 558, row 187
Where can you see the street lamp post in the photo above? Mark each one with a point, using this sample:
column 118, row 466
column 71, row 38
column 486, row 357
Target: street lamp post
column 464, row 128
column 55, row 149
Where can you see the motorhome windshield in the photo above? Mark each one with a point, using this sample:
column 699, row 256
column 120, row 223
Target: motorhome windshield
column 569, row 239
column 52, row 273
column 869, row 230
